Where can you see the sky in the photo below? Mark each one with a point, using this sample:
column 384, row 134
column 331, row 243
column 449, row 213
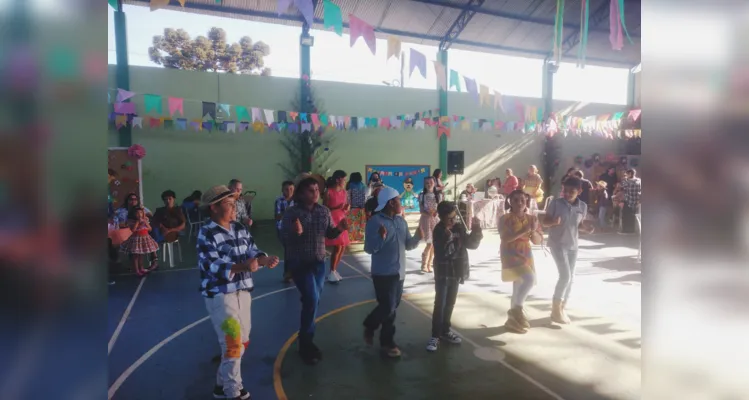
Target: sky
column 333, row 59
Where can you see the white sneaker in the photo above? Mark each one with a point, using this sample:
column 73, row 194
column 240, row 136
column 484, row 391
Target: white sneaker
column 337, row 275
column 332, row 278
column 433, row 344
column 451, row 337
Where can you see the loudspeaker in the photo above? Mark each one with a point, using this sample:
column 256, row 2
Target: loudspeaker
column 455, row 163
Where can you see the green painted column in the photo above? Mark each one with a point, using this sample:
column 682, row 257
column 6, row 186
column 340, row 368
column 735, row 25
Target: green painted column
column 305, row 90
column 442, row 58
column 122, row 67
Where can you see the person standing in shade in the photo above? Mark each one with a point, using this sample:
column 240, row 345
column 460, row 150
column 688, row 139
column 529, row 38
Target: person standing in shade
column 227, row 258
column 451, row 269
column 632, row 188
column 565, row 218
column 305, row 227
column 387, row 238
column 440, row 185
column 284, row 201
column 585, row 185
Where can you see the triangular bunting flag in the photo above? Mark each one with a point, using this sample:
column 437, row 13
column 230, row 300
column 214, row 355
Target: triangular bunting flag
column 257, row 115
column 156, row 4
column 181, row 124
column 242, row 114
column 231, row 127
column 498, row 101
column 176, row 104
column 417, row 60
column 439, row 69
column 138, row 121
column 123, row 95
column 152, row 103
column 443, row 130
column 225, row 109
column 357, row 28
column 332, row 17
column 472, row 88
column 455, row 79
column 394, row 47
column 209, row 109
column 269, row 116
column 483, row 95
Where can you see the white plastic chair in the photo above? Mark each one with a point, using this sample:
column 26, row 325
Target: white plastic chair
column 168, row 250
column 191, row 223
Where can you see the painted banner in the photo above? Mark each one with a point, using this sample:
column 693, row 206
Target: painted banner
column 408, row 180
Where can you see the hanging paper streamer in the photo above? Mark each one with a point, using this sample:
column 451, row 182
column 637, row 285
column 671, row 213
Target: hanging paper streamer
column 332, row 17
column 394, row 47
column 582, row 46
column 418, row 60
column 439, row 69
column 559, row 31
column 454, row 79
column 471, row 87
column 176, row 104
column 357, row 28
column 617, row 25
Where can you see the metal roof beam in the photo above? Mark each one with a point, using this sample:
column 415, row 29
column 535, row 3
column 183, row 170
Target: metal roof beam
column 434, row 38
column 460, row 23
column 573, row 39
column 508, row 15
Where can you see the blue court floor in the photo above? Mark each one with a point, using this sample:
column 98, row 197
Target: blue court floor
column 162, row 345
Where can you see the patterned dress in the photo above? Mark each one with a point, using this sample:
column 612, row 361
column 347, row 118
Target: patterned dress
column 516, row 256
column 337, row 198
column 357, row 218
column 428, row 203
column 140, row 242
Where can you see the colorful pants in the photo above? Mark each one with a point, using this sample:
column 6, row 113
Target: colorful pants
column 230, row 316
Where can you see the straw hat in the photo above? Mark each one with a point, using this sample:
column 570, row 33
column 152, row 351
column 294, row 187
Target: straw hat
column 216, row 194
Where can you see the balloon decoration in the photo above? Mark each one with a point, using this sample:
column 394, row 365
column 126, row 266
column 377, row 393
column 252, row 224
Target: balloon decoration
column 136, row 151
column 634, row 162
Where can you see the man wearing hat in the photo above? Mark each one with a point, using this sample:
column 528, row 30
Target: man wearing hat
column 387, row 238
column 227, row 257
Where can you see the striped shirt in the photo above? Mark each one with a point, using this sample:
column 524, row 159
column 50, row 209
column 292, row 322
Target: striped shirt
column 219, row 249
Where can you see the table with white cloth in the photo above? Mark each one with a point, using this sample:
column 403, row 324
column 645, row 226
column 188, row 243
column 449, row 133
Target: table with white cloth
column 488, row 211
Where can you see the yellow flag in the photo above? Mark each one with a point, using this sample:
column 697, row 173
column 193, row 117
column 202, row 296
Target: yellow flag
column 394, row 47
column 156, row 4
column 182, row 2
column 483, row 95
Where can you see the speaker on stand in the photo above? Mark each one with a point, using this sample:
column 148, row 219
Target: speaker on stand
column 455, row 164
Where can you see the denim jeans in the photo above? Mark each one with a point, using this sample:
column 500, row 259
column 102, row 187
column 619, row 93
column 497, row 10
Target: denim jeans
column 446, row 292
column 602, row 213
column 309, row 278
column 388, row 291
column 565, row 261
column 629, row 219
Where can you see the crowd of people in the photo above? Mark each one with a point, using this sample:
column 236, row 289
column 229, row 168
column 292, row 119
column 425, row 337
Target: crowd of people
column 352, row 211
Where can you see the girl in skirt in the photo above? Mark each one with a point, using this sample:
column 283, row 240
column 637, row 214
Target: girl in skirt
column 429, row 198
column 140, row 242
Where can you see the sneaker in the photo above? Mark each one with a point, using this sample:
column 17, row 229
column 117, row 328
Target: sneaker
column 392, row 352
column 309, row 355
column 332, row 278
column 218, row 393
column 337, row 275
column 315, row 351
column 451, row 337
column 433, row 344
column 111, row 283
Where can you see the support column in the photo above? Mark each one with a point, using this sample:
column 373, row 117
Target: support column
column 631, row 90
column 122, row 67
column 442, row 58
column 547, row 87
column 305, row 81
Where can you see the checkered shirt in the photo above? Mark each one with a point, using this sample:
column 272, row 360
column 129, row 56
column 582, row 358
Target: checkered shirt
column 243, row 211
column 632, row 191
column 316, row 226
column 219, row 249
column 281, row 205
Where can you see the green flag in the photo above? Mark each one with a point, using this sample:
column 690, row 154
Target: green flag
column 332, row 17
column 455, row 79
column 113, row 3
column 242, row 113
column 153, row 102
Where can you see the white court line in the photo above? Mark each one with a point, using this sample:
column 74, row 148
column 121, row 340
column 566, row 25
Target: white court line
column 474, row 344
column 126, row 314
column 159, row 271
column 129, row 371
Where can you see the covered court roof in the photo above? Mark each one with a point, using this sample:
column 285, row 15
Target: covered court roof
column 511, row 27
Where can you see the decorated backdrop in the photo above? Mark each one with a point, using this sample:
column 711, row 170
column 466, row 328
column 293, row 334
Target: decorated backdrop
column 408, row 180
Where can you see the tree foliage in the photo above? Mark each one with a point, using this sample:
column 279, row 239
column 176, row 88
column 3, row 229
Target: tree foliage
column 176, row 49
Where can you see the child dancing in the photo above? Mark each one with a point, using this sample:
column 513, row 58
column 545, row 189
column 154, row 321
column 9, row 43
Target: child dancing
column 451, row 268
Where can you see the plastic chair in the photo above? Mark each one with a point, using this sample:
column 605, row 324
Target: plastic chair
column 167, row 248
column 542, row 211
column 194, row 221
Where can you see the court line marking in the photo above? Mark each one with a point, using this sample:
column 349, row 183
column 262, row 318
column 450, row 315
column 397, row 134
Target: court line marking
column 126, row 314
column 471, row 342
column 158, row 271
column 129, row 371
column 277, row 383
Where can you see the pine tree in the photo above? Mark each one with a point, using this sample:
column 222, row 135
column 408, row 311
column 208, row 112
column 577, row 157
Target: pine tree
column 309, row 151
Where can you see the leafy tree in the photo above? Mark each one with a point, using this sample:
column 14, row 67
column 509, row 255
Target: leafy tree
column 175, row 49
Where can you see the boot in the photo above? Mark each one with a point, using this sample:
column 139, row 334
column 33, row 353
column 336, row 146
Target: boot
column 564, row 311
column 521, row 318
column 424, row 260
column 430, row 258
column 513, row 324
column 557, row 313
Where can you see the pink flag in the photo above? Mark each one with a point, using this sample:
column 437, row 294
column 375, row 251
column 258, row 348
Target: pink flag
column 123, row 95
column 357, row 28
column 615, row 26
column 176, row 104
column 441, row 72
column 418, row 60
column 634, row 114
column 124, row 108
